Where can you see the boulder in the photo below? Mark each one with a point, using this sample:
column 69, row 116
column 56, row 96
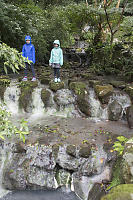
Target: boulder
column 79, row 88
column 114, row 111
column 45, row 96
column 129, row 90
column 83, row 104
column 56, row 86
column 71, row 150
column 66, row 161
column 103, row 92
column 85, row 151
column 39, row 178
column 129, row 115
column 96, row 192
column 120, row 192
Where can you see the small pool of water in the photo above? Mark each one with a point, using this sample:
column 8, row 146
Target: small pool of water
column 41, row 195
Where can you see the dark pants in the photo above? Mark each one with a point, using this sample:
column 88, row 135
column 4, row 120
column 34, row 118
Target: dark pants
column 57, row 72
column 32, row 68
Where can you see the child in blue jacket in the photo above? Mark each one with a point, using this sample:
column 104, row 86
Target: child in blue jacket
column 28, row 51
column 56, row 60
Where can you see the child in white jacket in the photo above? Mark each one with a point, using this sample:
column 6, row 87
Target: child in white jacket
column 56, row 60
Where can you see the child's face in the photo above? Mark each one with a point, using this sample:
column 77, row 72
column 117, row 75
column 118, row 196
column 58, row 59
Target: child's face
column 27, row 41
column 56, row 45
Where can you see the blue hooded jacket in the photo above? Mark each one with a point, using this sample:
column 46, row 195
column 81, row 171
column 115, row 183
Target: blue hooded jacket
column 28, row 50
column 56, row 54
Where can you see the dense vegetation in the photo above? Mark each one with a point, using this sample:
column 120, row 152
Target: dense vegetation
column 107, row 26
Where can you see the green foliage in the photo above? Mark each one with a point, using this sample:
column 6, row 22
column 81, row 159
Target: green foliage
column 7, row 129
column 11, row 58
column 116, row 176
column 119, row 144
column 111, row 59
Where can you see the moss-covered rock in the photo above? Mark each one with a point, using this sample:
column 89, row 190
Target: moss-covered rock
column 93, row 83
column 103, row 92
column 56, row 86
column 45, row 96
column 79, row 88
column 85, row 151
column 71, row 150
column 118, row 84
column 120, row 192
column 26, row 94
column 45, row 81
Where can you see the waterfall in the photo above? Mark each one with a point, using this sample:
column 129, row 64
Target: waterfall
column 11, row 97
column 37, row 103
column 97, row 112
column 3, row 157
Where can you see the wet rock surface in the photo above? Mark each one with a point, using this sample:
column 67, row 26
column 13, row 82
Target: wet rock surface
column 129, row 114
column 114, row 111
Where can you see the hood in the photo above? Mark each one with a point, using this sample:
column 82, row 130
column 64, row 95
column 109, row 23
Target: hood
column 57, row 42
column 27, row 37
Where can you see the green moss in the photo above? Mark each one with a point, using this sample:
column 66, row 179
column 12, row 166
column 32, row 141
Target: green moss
column 45, row 96
column 2, row 91
column 78, row 87
column 56, row 86
column 116, row 176
column 103, row 92
column 120, row 192
column 117, row 196
column 26, row 93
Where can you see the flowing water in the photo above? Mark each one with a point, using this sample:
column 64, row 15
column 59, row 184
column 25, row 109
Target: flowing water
column 65, row 108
